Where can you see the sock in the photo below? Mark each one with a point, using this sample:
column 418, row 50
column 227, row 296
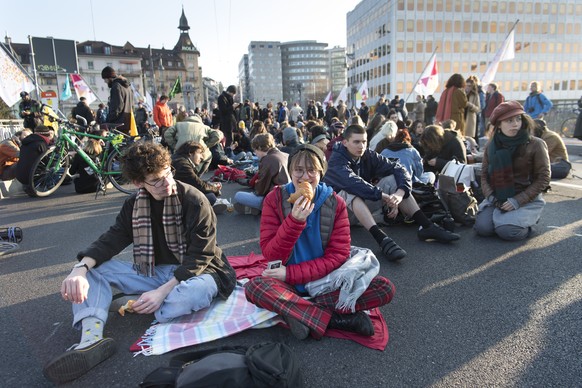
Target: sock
column 421, row 219
column 377, row 233
column 92, row 331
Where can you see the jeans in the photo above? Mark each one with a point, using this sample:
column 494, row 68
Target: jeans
column 249, row 199
column 190, row 295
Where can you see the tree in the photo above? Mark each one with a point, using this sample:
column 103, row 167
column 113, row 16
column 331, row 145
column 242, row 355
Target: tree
column 5, row 111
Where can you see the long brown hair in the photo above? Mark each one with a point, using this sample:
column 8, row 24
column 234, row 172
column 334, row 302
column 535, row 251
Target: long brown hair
column 433, row 138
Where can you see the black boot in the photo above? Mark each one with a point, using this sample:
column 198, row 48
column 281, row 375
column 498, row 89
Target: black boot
column 359, row 323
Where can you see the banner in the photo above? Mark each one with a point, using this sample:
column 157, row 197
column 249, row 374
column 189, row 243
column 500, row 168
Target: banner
column 362, row 94
column 342, row 96
column 177, row 88
column 82, row 89
column 328, row 98
column 505, row 53
column 66, row 93
column 429, row 79
column 13, row 80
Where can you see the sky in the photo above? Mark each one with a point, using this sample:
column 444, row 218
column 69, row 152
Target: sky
column 220, row 29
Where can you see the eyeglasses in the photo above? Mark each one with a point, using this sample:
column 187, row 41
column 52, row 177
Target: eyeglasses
column 299, row 171
column 516, row 119
column 160, row 181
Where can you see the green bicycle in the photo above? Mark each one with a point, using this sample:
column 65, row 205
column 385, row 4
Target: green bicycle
column 51, row 168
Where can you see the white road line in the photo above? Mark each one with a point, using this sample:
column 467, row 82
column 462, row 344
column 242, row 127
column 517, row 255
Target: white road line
column 566, row 185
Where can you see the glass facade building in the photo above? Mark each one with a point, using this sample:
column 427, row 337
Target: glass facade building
column 265, row 79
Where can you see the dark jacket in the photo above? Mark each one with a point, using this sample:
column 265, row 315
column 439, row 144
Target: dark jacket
column 356, row 177
column 430, row 112
column 272, row 171
column 34, row 117
column 32, row 147
column 453, row 148
column 203, row 255
column 84, row 111
column 227, row 118
column 87, row 182
column 120, row 104
column 185, row 172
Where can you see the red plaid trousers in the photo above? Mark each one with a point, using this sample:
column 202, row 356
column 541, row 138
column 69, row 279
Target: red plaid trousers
column 315, row 313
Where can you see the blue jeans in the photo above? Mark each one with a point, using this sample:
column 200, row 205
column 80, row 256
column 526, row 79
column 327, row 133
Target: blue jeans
column 190, row 295
column 249, row 199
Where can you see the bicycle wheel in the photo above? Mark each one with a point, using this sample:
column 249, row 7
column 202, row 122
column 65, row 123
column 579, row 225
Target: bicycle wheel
column 568, row 126
column 48, row 173
column 113, row 173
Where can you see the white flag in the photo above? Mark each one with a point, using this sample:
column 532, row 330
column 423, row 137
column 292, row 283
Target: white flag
column 429, row 79
column 505, row 53
column 13, row 80
column 342, row 96
column 362, row 95
column 328, row 98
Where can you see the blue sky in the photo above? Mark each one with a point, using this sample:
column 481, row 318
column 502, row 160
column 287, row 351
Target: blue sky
column 220, row 29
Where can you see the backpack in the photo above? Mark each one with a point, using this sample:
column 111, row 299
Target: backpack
column 268, row 364
column 228, row 174
column 460, row 202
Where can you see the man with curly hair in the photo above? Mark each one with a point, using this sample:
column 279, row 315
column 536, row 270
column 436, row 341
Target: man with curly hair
column 177, row 266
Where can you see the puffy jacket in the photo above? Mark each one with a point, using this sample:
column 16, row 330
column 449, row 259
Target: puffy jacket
column 355, row 177
column 279, row 235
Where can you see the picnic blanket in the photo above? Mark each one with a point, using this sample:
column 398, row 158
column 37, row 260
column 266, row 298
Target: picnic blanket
column 227, row 317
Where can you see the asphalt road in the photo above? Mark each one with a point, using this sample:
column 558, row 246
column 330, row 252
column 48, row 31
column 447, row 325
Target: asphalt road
column 480, row 312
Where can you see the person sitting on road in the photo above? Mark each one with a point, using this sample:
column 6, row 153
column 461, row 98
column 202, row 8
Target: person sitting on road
column 9, row 154
column 400, row 148
column 32, row 147
column 560, row 165
column 272, row 172
column 87, row 182
column 241, row 146
column 441, row 146
column 177, row 266
column 185, row 161
column 515, row 172
column 296, row 235
column 371, row 183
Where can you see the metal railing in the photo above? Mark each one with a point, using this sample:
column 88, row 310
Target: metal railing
column 8, row 127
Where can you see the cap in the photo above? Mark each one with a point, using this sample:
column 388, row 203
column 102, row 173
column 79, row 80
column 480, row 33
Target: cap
column 504, row 111
column 311, row 148
column 108, row 72
column 23, row 94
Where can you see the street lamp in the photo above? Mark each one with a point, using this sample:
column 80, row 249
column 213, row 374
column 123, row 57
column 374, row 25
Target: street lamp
column 160, row 67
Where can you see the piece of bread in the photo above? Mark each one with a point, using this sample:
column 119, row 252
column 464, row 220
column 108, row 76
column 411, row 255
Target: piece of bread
column 305, row 190
column 126, row 307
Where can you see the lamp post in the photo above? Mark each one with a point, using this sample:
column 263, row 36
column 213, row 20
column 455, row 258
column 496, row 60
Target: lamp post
column 161, row 67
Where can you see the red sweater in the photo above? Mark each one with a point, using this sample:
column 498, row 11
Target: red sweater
column 278, row 240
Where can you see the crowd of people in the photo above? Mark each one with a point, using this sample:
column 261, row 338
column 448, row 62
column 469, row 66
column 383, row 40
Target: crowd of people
column 319, row 171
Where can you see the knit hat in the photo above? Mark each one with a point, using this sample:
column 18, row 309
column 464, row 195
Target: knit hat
column 108, row 72
column 42, row 130
column 504, row 111
column 289, row 134
column 318, row 138
column 311, row 148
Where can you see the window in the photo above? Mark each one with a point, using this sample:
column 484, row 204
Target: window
column 88, row 50
column 90, row 65
column 107, row 50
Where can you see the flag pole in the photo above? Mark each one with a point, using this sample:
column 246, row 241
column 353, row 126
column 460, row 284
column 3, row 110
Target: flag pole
column 422, row 72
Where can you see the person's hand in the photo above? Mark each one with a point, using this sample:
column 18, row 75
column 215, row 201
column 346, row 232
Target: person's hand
column 432, row 162
column 149, row 302
column 302, row 208
column 75, row 287
column 277, row 273
column 506, row 206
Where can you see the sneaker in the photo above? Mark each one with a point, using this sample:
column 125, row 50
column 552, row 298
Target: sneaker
column 75, row 363
column 12, row 234
column 359, row 323
column 391, row 250
column 220, row 206
column 243, row 209
column 435, row 232
column 298, row 329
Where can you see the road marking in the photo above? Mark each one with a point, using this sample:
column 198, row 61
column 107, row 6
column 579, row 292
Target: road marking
column 566, row 185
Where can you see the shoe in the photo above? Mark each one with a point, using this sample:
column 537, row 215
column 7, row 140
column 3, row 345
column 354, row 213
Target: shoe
column 298, row 329
column 435, row 232
column 220, row 206
column 391, row 250
column 243, row 209
column 359, row 323
column 75, row 363
column 11, row 234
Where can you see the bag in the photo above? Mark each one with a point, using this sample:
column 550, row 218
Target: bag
column 228, row 174
column 462, row 173
column 458, row 201
column 268, row 364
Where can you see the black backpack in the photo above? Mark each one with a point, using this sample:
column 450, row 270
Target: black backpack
column 268, row 364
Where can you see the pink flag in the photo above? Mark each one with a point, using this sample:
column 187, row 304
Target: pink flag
column 82, row 89
column 429, row 79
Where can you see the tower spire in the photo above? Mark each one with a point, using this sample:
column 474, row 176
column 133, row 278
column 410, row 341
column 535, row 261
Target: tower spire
column 183, row 27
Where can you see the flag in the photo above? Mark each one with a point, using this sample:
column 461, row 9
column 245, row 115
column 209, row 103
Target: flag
column 505, row 53
column 14, row 80
column 342, row 96
column 429, row 79
column 82, row 89
column 66, row 93
column 149, row 100
column 362, row 94
column 177, row 88
column 328, row 98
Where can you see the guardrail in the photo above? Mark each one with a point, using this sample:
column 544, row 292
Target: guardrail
column 8, row 127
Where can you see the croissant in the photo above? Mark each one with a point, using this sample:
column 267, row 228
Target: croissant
column 126, row 307
column 304, row 189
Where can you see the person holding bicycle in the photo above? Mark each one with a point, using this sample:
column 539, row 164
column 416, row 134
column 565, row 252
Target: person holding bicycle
column 177, row 265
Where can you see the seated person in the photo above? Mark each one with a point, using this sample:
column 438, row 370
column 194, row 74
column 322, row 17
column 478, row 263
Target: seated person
column 86, row 181
column 515, row 171
column 32, row 147
column 290, row 139
column 9, row 154
column 401, row 148
column 560, row 165
column 384, row 137
column 272, row 172
column 218, row 154
column 368, row 182
column 185, row 160
column 312, row 239
column 165, row 219
column 441, row 146
column 241, row 147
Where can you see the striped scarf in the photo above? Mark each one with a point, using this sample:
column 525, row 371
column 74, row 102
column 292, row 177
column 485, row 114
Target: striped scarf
column 500, row 169
column 143, row 241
